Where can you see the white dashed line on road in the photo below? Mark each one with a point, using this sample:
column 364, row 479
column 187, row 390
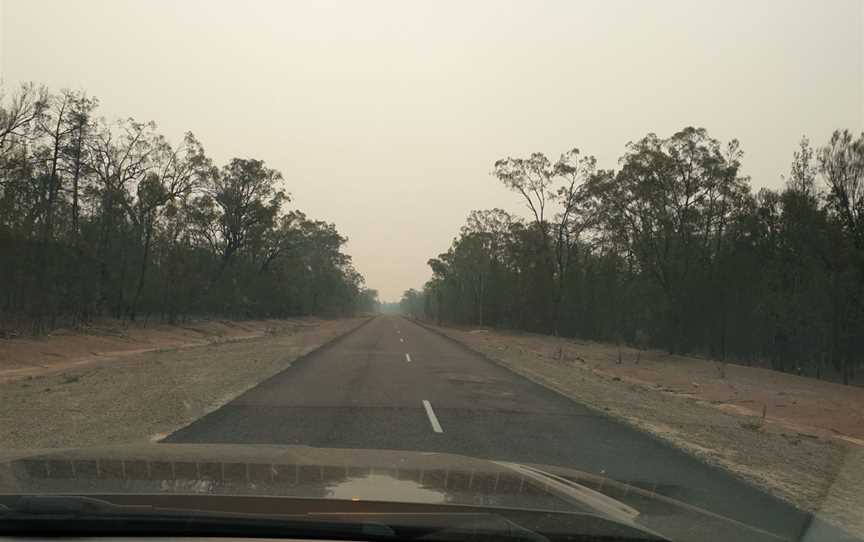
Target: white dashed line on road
column 408, row 358
column 433, row 419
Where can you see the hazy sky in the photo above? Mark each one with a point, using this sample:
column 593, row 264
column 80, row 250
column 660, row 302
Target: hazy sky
column 385, row 117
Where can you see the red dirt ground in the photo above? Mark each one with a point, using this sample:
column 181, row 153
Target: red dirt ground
column 65, row 349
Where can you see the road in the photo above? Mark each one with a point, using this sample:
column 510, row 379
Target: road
column 393, row 384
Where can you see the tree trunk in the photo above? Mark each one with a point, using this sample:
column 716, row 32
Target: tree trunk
column 142, row 275
column 845, row 370
column 76, row 175
column 45, row 286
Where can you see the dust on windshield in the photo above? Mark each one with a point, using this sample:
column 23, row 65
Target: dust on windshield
column 620, row 239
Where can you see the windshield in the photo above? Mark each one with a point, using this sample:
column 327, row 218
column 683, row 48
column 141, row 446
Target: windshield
column 572, row 268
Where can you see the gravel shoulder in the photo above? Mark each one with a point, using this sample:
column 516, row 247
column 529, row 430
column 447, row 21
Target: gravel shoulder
column 140, row 397
column 810, row 465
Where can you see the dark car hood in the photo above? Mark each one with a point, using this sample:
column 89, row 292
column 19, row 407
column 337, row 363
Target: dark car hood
column 303, row 472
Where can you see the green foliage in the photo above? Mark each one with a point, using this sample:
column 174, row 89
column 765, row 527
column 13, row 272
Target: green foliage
column 672, row 250
column 110, row 219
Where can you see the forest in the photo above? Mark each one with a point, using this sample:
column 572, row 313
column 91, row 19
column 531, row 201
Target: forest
column 109, row 219
column 672, row 250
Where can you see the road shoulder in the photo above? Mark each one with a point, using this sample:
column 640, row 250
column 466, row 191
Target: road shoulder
column 143, row 396
column 820, row 475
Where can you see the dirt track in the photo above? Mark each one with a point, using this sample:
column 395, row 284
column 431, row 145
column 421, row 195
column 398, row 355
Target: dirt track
column 109, row 341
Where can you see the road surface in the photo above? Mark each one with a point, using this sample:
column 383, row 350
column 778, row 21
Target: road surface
column 392, row 384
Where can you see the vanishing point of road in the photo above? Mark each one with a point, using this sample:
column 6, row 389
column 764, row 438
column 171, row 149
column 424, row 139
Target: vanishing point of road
column 393, row 384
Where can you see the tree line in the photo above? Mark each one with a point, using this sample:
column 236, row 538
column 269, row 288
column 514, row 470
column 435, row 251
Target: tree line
column 104, row 218
column 673, row 250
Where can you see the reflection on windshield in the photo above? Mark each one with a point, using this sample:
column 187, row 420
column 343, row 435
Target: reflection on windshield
column 377, row 487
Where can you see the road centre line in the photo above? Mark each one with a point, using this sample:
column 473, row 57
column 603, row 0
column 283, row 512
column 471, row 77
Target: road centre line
column 433, row 419
column 408, row 358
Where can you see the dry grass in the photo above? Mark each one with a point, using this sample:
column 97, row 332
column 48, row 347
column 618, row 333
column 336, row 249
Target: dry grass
column 140, row 397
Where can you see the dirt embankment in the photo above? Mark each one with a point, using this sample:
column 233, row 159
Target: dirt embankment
column 796, row 437
column 104, row 343
column 89, row 390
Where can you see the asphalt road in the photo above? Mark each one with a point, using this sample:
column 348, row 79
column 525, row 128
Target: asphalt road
column 393, row 384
